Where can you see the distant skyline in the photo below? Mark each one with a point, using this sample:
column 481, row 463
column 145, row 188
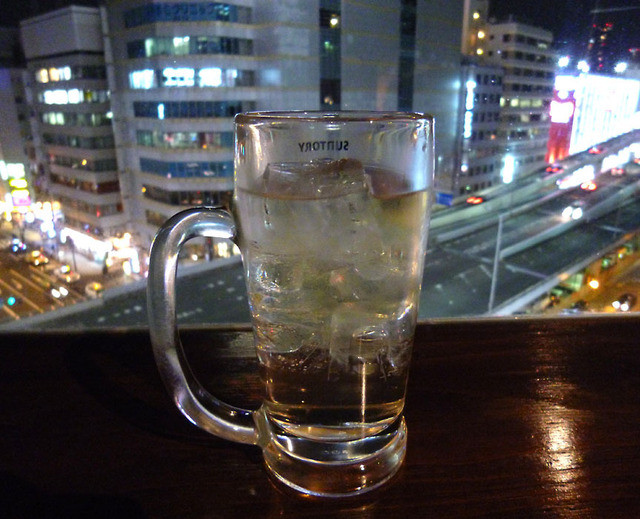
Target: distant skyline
column 570, row 21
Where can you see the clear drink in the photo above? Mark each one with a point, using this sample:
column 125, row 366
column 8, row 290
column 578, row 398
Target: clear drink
column 330, row 212
column 333, row 253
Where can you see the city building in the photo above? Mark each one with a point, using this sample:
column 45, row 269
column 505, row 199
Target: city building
column 132, row 104
column 15, row 190
column 437, row 83
column 481, row 149
column 474, row 27
column 179, row 72
column 588, row 109
column 529, row 63
column 75, row 165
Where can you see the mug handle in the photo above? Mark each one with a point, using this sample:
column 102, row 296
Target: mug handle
column 195, row 402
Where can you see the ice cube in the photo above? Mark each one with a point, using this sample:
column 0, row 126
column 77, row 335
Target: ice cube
column 322, row 178
column 275, row 276
column 358, row 338
column 286, row 337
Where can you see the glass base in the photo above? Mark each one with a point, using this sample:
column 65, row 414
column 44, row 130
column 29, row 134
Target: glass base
column 334, row 468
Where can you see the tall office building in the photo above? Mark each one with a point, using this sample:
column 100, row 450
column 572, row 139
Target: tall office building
column 481, row 149
column 74, row 150
column 437, row 82
column 528, row 60
column 180, row 71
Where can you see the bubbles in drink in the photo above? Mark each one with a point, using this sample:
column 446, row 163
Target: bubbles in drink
column 333, row 252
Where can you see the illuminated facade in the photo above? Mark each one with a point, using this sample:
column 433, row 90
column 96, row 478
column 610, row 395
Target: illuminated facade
column 525, row 54
column 589, row 109
column 481, row 149
column 15, row 188
column 74, row 159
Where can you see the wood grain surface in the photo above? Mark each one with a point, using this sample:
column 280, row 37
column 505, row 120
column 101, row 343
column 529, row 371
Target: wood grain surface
column 506, row 418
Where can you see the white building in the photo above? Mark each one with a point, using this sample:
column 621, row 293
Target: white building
column 529, row 62
column 482, row 150
column 74, row 149
column 181, row 71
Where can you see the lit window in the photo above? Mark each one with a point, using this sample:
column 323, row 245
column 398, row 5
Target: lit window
column 55, row 97
column 178, row 76
column 42, row 76
column 143, row 79
column 210, row 77
column 74, row 96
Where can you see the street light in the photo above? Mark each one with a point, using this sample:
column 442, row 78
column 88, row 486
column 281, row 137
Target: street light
column 621, row 67
column 496, row 262
column 583, row 66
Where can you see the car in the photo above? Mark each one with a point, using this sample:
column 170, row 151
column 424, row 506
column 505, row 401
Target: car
column 36, row 258
column 60, row 292
column 475, row 200
column 588, row 186
column 573, row 211
column 625, row 302
column 554, row 168
column 595, row 150
column 616, row 172
column 64, row 273
column 94, row 289
column 17, row 246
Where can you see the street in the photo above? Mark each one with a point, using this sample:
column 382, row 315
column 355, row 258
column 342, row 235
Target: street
column 27, row 289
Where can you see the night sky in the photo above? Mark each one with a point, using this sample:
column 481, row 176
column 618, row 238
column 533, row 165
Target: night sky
column 568, row 20
column 12, row 11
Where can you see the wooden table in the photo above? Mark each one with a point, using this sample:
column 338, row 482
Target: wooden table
column 506, row 418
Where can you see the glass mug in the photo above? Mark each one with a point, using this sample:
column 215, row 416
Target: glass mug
column 332, row 212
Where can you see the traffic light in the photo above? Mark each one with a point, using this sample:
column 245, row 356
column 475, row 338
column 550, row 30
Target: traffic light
column 11, row 300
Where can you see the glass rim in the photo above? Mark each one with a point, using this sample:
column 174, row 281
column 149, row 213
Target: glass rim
column 331, row 116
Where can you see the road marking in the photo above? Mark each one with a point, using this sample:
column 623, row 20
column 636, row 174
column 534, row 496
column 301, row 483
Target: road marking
column 25, row 298
column 11, row 312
